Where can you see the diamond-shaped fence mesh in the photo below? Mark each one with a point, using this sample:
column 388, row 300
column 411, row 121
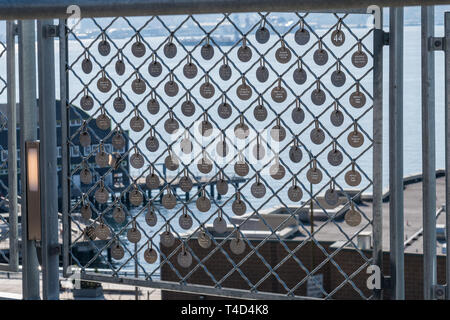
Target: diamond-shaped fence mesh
column 228, row 150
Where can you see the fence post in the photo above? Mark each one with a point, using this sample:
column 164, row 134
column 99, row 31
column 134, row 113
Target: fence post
column 447, row 146
column 49, row 170
column 396, row 152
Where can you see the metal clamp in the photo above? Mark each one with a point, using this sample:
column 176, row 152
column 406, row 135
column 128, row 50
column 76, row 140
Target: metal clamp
column 51, row 31
column 439, row 291
column 437, row 44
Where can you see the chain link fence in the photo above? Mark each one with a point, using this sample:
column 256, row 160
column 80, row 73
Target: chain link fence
column 196, row 141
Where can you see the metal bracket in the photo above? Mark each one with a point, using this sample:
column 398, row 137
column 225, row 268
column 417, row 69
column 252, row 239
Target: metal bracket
column 386, row 38
column 386, row 283
column 16, row 29
column 51, row 31
column 439, row 291
column 437, row 44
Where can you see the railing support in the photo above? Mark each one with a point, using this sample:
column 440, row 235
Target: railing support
column 447, row 145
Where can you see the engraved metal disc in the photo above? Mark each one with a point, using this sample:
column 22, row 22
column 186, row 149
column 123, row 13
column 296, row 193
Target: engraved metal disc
column 260, row 113
column 137, row 124
column 102, row 231
column 104, row 84
column 335, row 158
column 152, row 144
column 337, row 118
column 279, row 94
column 278, row 133
column 169, row 201
column 87, row 103
column 185, row 221
column 237, row 246
column 203, row 240
column 86, row 65
column 355, row 139
column 150, row 255
column 185, row 184
column 138, row 49
column 239, row 207
column 117, row 252
column 138, row 86
column 224, row 110
column 190, row 70
column 207, row 90
column 338, row 37
column 258, row 151
column 171, row 88
column 220, row 225
column 172, row 163
column 298, row 115
column 277, row 171
column 167, row 239
column 186, row 146
column 331, row 197
column 295, row 154
column 262, row 35
column 86, row 212
column 118, row 215
column 137, row 160
column 314, row 176
column 241, row 131
column 262, row 74
column 120, row 67
column 205, row 128
column 153, row 106
column 225, row 72
column 170, row 50
column 258, row 190
column 222, row 187
column 338, row 78
column 184, row 259
column 204, row 165
column 222, row 148
column 151, row 218
column 318, row 97
column 171, row 125
column 152, row 181
column 360, row 59
column 188, row 108
column 118, row 141
column 283, row 55
column 85, row 138
column 119, row 104
column 241, row 168
column 134, row 235
column 353, row 218
column 207, row 51
column 302, row 36
column 89, row 233
column 320, row 57
column 244, row 53
column 203, row 204
column 136, row 197
column 300, row 76
column 155, row 69
column 317, row 136
column 85, row 176
column 102, row 159
column 295, row 193
column 353, row 178
column 103, row 122
column 357, row 99
column 244, row 92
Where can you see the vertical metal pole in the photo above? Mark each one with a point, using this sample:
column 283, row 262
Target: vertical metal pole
column 12, row 145
column 447, row 145
column 377, row 219
column 28, row 131
column 48, row 164
column 396, row 152
column 428, row 155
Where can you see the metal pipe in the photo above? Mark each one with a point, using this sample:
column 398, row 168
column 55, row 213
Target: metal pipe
column 396, row 152
column 28, row 131
column 428, row 155
column 12, row 145
column 48, row 164
column 447, row 146
column 44, row 9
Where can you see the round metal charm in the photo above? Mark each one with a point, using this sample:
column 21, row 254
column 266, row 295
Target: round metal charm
column 360, row 59
column 262, row 35
column 85, row 176
column 86, row 65
column 155, row 69
column 203, row 240
column 151, row 218
column 298, row 115
column 317, row 136
column 185, row 184
column 258, row 151
column 102, row 231
column 318, row 97
column 186, row 146
column 353, row 218
column 239, row 207
column 277, row 171
column 118, row 215
column 205, row 128
column 137, row 161
column 358, row 99
column 295, row 154
column 244, row 91
column 314, row 175
column 337, row 118
column 150, row 255
column 169, row 201
column 171, row 163
column 225, row 72
column 222, row 148
column 89, row 233
column 241, row 131
column 190, row 70
column 103, row 122
column 171, row 88
column 335, row 157
column 170, row 50
column 167, row 239
column 244, row 53
column 152, row 181
column 302, row 36
column 279, row 94
column 171, row 125
column 222, row 187
column 87, row 103
column 153, row 106
column 338, row 37
column 258, row 190
column 138, row 86
column 260, row 113
column 185, row 221
column 220, row 225
column 188, row 108
column 120, row 67
column 85, row 138
column 104, row 84
column 237, row 246
column 119, row 104
column 136, row 197
column 138, row 49
column 184, row 259
column 338, row 78
column 117, row 252
column 355, row 139
column 102, row 159
column 283, row 55
column 204, row 165
column 262, row 74
column 320, row 57
column 300, row 76
column 241, row 168
column 353, row 178
column 224, row 110
column 118, row 141
column 207, row 90
column 203, row 204
column 134, row 235
column 295, row 193
column 278, row 133
column 137, row 124
column 331, row 197
column 207, row 51
column 86, row 212
column 152, row 144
